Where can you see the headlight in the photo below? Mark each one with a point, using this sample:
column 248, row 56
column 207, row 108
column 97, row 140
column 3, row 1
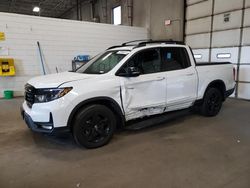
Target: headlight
column 47, row 95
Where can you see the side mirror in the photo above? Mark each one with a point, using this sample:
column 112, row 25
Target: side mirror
column 131, row 72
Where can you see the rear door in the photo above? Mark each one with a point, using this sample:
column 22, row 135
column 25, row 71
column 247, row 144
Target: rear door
column 181, row 77
column 145, row 94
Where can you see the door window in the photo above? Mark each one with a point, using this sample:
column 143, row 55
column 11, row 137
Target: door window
column 146, row 61
column 174, row 58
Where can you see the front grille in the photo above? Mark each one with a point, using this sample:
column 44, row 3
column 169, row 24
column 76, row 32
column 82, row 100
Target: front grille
column 29, row 95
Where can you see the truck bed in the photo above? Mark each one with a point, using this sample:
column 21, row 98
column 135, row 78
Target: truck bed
column 207, row 72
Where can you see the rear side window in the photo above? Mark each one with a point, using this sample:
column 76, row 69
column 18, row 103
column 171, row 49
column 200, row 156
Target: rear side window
column 174, row 58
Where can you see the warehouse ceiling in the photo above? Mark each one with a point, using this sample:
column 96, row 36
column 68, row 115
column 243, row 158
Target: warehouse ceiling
column 48, row 8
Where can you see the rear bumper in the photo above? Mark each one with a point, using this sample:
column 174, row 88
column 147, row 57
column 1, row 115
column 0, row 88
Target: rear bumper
column 42, row 127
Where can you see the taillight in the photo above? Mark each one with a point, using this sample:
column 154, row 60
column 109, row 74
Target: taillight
column 234, row 71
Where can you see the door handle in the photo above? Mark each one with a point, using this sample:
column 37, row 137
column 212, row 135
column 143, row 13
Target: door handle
column 191, row 74
column 160, row 78
column 130, row 88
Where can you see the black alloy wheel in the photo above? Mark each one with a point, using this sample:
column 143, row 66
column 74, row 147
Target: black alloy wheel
column 212, row 102
column 94, row 126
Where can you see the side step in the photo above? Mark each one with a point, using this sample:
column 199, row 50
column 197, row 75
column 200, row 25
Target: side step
column 154, row 120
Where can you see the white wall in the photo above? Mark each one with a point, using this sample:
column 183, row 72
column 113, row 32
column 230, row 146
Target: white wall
column 60, row 40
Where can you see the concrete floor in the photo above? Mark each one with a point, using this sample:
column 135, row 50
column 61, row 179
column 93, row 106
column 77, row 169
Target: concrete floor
column 190, row 152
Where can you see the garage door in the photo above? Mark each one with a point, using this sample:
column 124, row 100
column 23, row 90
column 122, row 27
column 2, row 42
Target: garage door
column 219, row 30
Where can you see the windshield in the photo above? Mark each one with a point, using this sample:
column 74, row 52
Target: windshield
column 104, row 63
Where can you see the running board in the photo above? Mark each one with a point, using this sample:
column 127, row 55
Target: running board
column 155, row 120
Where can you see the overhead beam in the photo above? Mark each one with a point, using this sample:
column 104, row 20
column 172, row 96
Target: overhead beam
column 73, row 7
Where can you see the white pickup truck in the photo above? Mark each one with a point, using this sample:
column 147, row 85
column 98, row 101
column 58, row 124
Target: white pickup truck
column 124, row 83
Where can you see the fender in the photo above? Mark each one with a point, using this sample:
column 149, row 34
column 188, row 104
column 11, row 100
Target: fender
column 219, row 84
column 107, row 101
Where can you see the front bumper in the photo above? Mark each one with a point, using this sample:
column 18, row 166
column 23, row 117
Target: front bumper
column 42, row 127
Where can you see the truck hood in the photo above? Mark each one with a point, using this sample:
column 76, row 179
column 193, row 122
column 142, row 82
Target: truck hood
column 55, row 80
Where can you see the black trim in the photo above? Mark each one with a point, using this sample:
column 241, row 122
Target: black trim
column 97, row 100
column 229, row 92
column 38, row 126
column 213, row 63
column 118, row 46
column 145, row 42
column 121, row 100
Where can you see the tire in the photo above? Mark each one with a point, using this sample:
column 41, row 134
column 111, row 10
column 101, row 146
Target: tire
column 94, row 126
column 212, row 102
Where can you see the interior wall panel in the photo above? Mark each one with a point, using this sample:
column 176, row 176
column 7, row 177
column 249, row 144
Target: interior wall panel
column 247, row 17
column 247, row 3
column 245, row 55
column 219, row 22
column 226, row 38
column 199, row 40
column 198, row 26
column 244, row 91
column 190, row 2
column 227, row 5
column 231, row 53
column 244, row 73
column 199, row 10
column 246, row 36
column 201, row 55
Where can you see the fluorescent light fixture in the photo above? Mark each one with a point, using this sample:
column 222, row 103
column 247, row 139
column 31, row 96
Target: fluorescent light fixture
column 224, row 56
column 36, row 9
column 197, row 56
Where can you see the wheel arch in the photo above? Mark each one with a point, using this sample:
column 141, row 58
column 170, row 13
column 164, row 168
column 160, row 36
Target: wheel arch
column 106, row 101
column 218, row 84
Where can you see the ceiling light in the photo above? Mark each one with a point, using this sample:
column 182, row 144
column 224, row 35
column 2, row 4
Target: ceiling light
column 223, row 55
column 197, row 56
column 36, row 9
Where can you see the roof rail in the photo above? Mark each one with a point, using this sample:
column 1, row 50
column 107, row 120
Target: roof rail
column 129, row 43
column 113, row 47
column 159, row 41
column 145, row 42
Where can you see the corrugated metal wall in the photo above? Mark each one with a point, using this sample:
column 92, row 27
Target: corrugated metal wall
column 219, row 30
